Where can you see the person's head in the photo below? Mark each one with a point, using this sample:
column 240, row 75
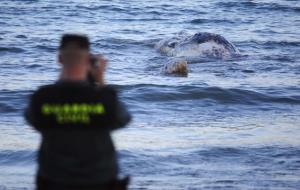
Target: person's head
column 74, row 54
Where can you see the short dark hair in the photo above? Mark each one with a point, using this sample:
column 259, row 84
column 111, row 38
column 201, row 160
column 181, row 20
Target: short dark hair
column 78, row 40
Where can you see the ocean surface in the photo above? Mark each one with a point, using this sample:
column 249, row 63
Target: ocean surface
column 231, row 124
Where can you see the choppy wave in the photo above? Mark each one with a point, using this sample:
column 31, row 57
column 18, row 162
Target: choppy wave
column 11, row 50
column 163, row 93
column 13, row 101
column 18, row 157
column 102, row 7
column 259, row 6
column 237, row 164
column 220, row 21
column 21, row 36
column 275, row 44
column 6, row 108
column 46, row 48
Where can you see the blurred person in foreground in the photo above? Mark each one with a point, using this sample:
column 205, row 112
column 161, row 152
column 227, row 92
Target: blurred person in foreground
column 75, row 116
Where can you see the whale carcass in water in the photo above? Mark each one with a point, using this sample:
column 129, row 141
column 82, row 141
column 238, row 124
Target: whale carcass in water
column 199, row 45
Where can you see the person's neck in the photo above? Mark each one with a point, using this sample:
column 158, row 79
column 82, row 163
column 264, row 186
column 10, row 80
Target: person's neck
column 72, row 75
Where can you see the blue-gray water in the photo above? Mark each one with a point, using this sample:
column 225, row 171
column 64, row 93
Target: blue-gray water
column 229, row 125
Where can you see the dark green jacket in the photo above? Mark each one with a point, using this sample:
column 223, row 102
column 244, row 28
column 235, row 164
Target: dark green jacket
column 75, row 120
